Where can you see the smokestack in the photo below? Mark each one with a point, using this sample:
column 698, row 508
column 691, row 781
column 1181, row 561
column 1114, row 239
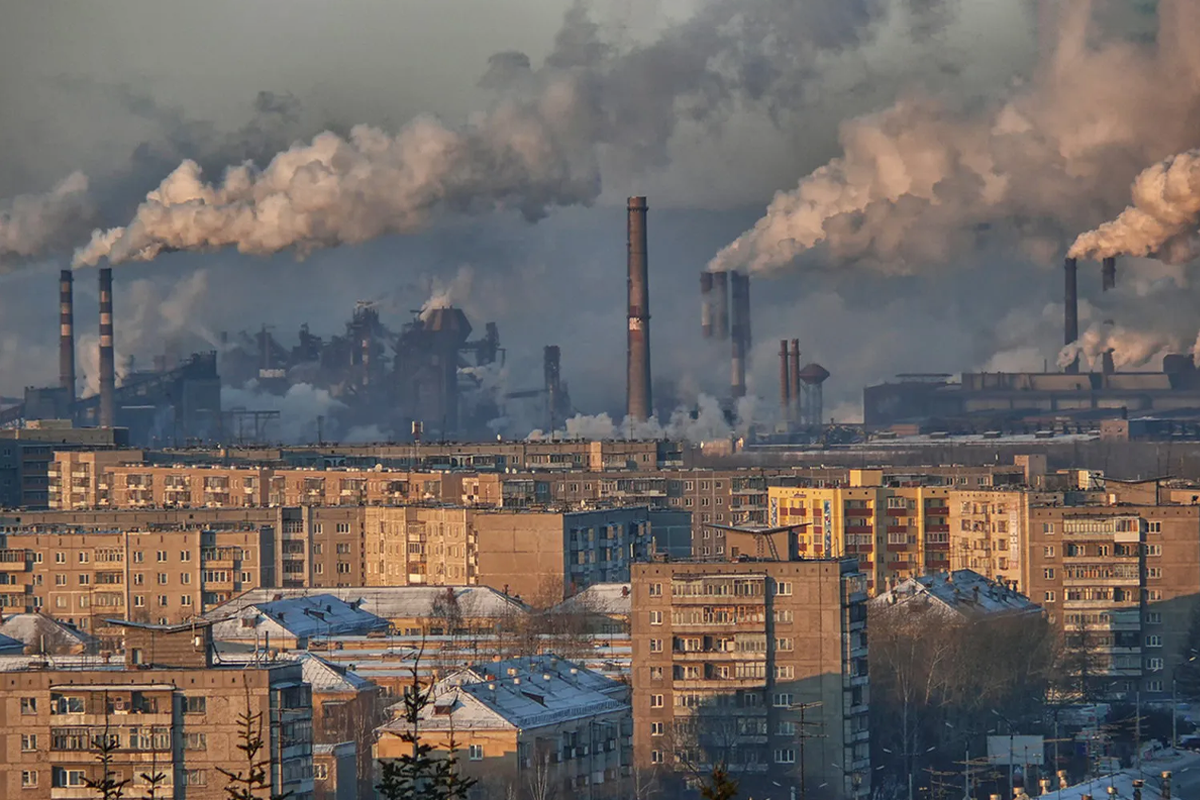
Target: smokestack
column 66, row 334
column 739, row 331
column 785, row 384
column 638, row 403
column 1108, row 366
column 1071, row 309
column 706, row 310
column 108, row 376
column 795, row 388
column 720, row 305
column 1108, row 274
column 551, row 364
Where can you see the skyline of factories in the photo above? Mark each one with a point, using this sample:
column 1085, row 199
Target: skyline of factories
column 924, row 246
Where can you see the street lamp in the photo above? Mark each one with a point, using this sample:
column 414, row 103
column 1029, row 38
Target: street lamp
column 1011, row 747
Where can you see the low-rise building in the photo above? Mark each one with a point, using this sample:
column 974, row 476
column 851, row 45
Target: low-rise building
column 531, row 719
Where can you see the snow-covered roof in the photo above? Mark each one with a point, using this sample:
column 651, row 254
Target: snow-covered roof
column 963, row 593
column 519, row 693
column 45, row 633
column 324, row 676
column 601, row 598
column 11, row 646
column 391, row 602
column 318, row 615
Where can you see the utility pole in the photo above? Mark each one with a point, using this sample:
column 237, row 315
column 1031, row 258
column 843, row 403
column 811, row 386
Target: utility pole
column 802, row 734
column 1174, row 718
column 1137, row 728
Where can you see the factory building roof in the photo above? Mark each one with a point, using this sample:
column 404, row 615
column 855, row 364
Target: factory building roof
column 962, row 593
column 519, row 693
column 299, row 617
column 390, row 602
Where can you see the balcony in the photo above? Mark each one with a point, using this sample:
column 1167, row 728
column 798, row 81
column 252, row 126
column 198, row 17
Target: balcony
column 14, row 560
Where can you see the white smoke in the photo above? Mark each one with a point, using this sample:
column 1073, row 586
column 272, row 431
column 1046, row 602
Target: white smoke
column 706, row 422
column 32, row 225
column 1131, row 349
column 298, row 410
column 452, row 293
column 926, row 180
column 1165, row 212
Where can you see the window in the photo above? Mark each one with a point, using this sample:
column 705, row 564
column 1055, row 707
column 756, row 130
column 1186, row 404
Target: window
column 185, row 578
column 195, row 741
column 63, row 704
column 85, row 579
column 785, row 755
column 1048, row 551
column 28, row 706
column 162, row 579
column 162, row 556
column 1154, row 572
column 28, row 778
column 185, row 555
column 1154, row 618
column 139, row 600
column 656, row 701
column 656, row 590
column 162, row 600
column 656, row 729
column 28, row 742
column 1049, row 597
column 1154, row 664
column 185, row 600
column 656, row 617
column 60, row 579
column 656, row 673
column 343, row 548
column 343, row 568
column 84, row 557
column 319, row 568
column 1154, row 686
column 139, row 578
column 785, row 672
column 1153, row 549
column 656, row 645
column 194, row 705
column 1153, row 594
column 782, row 700
column 1153, row 527
column 195, row 777
column 784, row 644
column 783, row 588
column 343, row 527
column 68, row 777
column 138, row 556
column 1154, row 641
column 476, row 752
column 60, row 558
column 786, row 728
column 656, row 757
column 1048, row 573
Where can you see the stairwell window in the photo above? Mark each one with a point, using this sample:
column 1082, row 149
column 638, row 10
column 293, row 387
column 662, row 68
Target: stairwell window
column 476, row 752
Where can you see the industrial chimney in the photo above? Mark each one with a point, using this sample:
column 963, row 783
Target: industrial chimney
column 1108, row 274
column 551, row 367
column 706, row 307
column 108, row 377
column 739, row 331
column 720, row 305
column 638, row 403
column 795, row 375
column 785, row 384
column 1071, row 309
column 66, row 335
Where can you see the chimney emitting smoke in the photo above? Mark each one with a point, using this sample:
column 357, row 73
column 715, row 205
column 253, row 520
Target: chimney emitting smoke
column 706, row 307
column 638, row 403
column 720, row 304
column 739, row 331
column 785, row 384
column 551, row 373
column 108, row 377
column 794, row 411
column 1071, row 308
column 66, row 334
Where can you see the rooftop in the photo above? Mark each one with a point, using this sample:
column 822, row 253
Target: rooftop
column 389, row 602
column 600, row 598
column 963, row 593
column 301, row 617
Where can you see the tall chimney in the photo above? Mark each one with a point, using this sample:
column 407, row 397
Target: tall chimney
column 1071, row 309
column 638, row 401
column 795, row 388
column 66, row 335
column 720, row 305
column 1107, row 364
column 785, row 384
column 551, row 366
column 1108, row 274
column 739, row 331
column 706, row 308
column 108, row 376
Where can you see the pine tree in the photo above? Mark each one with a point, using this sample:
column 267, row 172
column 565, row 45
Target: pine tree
column 420, row 774
column 106, row 787
column 719, row 785
column 251, row 783
column 1187, row 674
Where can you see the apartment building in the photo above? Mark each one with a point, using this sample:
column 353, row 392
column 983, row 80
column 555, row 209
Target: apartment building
column 1121, row 582
column 82, row 478
column 752, row 664
column 83, row 577
column 26, row 456
column 169, row 707
column 540, row 720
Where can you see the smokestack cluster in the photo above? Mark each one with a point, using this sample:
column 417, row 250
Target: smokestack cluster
column 638, row 403
column 739, row 331
column 66, row 334
column 1071, row 308
column 108, row 375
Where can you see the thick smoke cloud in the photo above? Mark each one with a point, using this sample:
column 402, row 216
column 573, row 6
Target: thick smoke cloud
column 932, row 178
column 1163, row 219
column 32, row 225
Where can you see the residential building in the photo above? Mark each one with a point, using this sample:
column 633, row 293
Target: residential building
column 169, row 707
column 346, row 710
column 1121, row 582
column 41, row 634
column 26, row 456
column 293, row 623
column 541, row 719
column 735, row 662
column 83, row 478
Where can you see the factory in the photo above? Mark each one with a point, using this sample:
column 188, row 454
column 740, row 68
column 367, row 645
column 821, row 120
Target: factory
column 1031, row 401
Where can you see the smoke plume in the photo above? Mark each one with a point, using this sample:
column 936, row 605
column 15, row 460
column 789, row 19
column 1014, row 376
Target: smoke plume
column 1162, row 221
column 932, row 178
column 33, row 225
column 706, row 422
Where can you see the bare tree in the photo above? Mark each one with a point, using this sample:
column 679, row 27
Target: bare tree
column 541, row 784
